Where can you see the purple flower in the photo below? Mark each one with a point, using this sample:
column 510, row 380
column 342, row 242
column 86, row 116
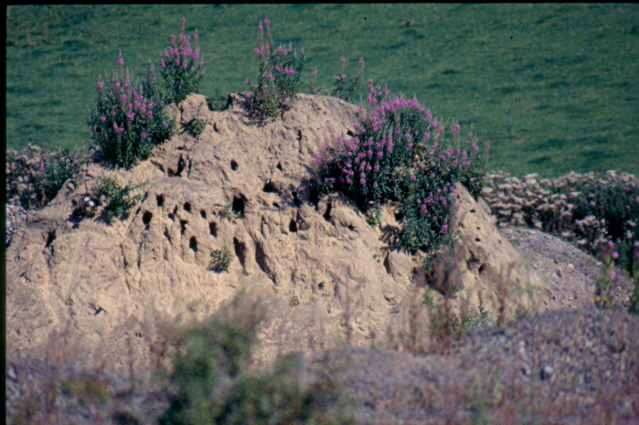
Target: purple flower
column 376, row 167
column 196, row 55
column 100, row 85
column 413, row 178
column 266, row 21
column 444, row 229
column 120, row 62
column 375, row 184
column 103, row 118
column 470, row 134
column 113, row 113
column 200, row 63
column 342, row 60
column 117, row 85
column 615, row 254
column 196, row 37
column 314, row 72
column 184, row 64
column 41, row 165
column 183, row 20
column 455, row 129
column 613, row 275
column 475, row 147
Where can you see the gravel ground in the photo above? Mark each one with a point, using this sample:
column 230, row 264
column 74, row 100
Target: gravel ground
column 17, row 217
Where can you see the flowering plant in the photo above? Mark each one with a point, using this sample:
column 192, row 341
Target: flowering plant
column 129, row 121
column 182, row 65
column 398, row 154
column 280, row 70
column 34, row 175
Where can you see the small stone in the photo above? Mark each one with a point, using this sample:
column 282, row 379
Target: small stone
column 559, row 273
column 546, row 372
column 11, row 373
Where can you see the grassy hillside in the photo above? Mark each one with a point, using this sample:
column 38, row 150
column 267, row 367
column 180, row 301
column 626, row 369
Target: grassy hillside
column 553, row 87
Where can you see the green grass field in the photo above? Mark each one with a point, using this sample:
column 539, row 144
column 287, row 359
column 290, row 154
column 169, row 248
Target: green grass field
column 553, row 87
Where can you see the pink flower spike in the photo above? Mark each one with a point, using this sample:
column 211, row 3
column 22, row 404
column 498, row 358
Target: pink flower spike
column 610, row 244
column 266, row 21
column 615, row 254
column 183, row 20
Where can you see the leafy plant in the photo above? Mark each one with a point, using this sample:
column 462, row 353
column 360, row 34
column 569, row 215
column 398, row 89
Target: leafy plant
column 129, row 121
column 222, row 259
column 110, row 195
column 279, row 76
column 35, row 176
column 229, row 213
column 212, row 383
column 398, row 154
column 198, row 124
column 182, row 65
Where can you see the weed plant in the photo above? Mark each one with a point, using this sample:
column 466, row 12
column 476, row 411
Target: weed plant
column 182, row 65
column 279, row 76
column 211, row 382
column 343, row 89
column 129, row 121
column 198, row 123
column 399, row 154
column 222, row 259
column 110, row 196
column 35, row 176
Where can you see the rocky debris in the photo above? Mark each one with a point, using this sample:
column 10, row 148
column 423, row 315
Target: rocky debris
column 17, row 216
column 569, row 366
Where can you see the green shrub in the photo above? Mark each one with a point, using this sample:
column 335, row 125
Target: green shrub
column 197, row 124
column 212, row 383
column 222, row 259
column 111, row 196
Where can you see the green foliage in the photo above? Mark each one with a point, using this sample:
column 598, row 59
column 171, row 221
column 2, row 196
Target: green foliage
column 217, row 102
column 198, row 124
column 182, row 65
column 129, row 121
column 109, row 195
column 212, row 383
column 279, row 76
column 398, row 154
column 229, row 213
column 35, row 176
column 222, row 259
